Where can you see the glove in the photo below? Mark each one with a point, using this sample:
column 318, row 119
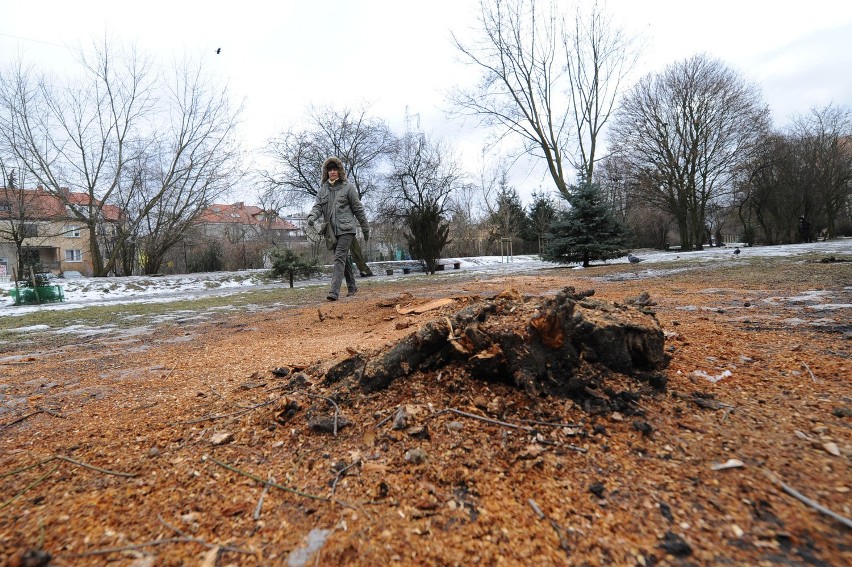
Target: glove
column 366, row 232
column 310, row 221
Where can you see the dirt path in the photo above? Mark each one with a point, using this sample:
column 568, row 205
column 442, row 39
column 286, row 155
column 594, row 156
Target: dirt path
column 760, row 374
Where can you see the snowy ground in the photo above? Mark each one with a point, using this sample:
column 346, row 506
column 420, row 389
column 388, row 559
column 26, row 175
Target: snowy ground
column 82, row 292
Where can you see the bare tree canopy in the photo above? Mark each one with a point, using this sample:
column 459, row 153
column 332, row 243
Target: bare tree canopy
column 123, row 135
column 423, row 174
column 362, row 142
column 683, row 133
column 599, row 55
column 551, row 85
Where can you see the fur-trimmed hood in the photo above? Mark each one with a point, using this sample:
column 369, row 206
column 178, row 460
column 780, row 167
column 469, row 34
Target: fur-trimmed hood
column 340, row 168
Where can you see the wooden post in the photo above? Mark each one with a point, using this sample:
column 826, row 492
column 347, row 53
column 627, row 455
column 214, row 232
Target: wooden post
column 35, row 287
column 17, row 289
column 506, row 249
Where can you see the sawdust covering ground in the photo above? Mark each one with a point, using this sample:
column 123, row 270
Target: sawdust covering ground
column 200, row 417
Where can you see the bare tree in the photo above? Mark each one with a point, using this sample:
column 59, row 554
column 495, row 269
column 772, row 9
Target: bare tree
column 422, row 173
column 184, row 167
column 551, row 86
column 19, row 211
column 360, row 141
column 599, row 55
column 124, row 137
column 519, row 89
column 823, row 141
column 423, row 176
column 77, row 136
column 684, row 132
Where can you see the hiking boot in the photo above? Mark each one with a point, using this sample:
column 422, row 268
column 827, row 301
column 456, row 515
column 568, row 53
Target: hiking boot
column 331, row 297
column 352, row 292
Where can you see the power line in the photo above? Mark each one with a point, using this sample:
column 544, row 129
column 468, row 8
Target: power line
column 33, row 40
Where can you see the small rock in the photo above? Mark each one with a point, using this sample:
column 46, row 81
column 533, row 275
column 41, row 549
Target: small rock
column 597, row 488
column 831, row 448
column 222, row 438
column 400, row 418
column 737, row 531
column 643, row 426
column 676, row 545
column 455, row 425
column 416, row 456
column 842, row 412
column 153, row 452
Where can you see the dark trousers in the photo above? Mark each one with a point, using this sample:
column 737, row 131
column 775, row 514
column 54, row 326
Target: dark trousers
column 342, row 268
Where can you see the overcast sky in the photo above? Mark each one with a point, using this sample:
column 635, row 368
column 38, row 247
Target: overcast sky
column 279, row 57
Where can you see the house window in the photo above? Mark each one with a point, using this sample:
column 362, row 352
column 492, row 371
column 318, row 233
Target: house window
column 29, row 230
column 73, row 255
column 5, row 207
column 72, row 231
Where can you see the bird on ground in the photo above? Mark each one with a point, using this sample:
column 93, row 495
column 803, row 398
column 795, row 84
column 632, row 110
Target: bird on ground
column 633, row 259
column 736, row 251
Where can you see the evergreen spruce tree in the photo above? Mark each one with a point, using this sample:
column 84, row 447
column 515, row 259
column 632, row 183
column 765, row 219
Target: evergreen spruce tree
column 587, row 231
column 427, row 235
column 287, row 263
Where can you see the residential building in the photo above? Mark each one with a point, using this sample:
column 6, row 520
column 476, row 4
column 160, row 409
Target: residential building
column 51, row 234
column 238, row 222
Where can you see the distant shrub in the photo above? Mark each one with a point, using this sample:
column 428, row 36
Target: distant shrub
column 289, row 264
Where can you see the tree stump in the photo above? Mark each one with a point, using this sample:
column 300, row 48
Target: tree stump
column 569, row 345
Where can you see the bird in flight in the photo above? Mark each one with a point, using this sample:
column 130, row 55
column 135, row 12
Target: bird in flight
column 218, row 50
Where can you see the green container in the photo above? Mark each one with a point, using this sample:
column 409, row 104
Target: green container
column 36, row 295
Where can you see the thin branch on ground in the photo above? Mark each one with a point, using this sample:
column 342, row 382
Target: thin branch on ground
column 72, row 461
column 94, row 468
column 329, row 400
column 485, row 419
column 560, row 531
column 270, row 483
column 30, row 486
column 340, row 474
column 257, row 508
column 808, row 368
column 20, row 419
column 28, row 467
column 802, row 498
column 549, row 424
column 152, row 543
column 388, row 418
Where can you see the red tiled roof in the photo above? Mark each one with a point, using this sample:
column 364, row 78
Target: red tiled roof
column 239, row 213
column 42, row 205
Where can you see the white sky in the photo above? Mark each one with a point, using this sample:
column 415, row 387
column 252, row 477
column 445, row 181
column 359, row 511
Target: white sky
column 279, row 57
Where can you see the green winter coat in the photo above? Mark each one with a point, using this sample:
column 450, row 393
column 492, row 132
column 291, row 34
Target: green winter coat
column 339, row 203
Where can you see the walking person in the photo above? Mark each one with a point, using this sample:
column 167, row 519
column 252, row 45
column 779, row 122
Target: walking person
column 339, row 205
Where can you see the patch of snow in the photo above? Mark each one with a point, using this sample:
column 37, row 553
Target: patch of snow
column 83, row 291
